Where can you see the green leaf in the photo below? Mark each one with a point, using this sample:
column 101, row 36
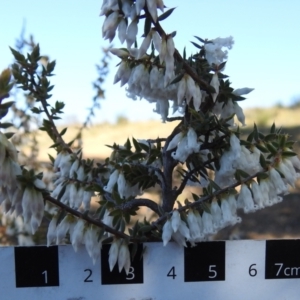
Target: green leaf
column 262, row 161
column 136, row 145
column 288, row 153
column 5, row 125
column 147, row 26
column 214, row 185
column 133, row 250
column 35, row 110
column 7, row 105
column 270, row 136
column 199, row 39
column 51, row 66
column 262, row 148
column 273, row 128
column 101, row 211
column 63, row 131
column 222, row 65
column 127, row 145
column 271, row 148
column 166, row 14
column 250, row 137
column 243, row 173
column 196, row 45
column 35, row 54
column 173, row 34
column 17, row 55
column 9, row 134
column 177, row 78
column 282, row 141
column 52, row 159
column 61, row 192
column 262, row 176
column 144, row 147
column 145, row 228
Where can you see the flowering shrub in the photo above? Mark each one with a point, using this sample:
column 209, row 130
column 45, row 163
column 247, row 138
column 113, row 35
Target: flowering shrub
column 206, row 143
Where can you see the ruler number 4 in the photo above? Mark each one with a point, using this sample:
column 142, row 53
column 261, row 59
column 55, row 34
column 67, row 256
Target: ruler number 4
column 172, row 273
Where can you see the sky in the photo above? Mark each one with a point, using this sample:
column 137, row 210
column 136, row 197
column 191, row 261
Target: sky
column 265, row 55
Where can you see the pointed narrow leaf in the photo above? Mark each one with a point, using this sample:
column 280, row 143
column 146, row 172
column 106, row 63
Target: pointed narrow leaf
column 196, row 45
column 166, row 14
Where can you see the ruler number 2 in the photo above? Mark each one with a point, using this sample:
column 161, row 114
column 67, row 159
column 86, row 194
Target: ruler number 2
column 87, row 279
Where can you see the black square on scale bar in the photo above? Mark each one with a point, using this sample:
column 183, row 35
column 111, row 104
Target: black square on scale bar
column 36, row 266
column 136, row 271
column 282, row 259
column 205, row 262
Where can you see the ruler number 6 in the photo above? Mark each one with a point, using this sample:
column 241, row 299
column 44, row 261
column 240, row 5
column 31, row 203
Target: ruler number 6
column 252, row 270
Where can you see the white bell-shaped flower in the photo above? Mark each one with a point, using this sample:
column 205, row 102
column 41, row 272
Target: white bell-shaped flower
column 112, row 181
column 245, row 200
column 175, row 220
column 215, row 83
column 277, row 181
column 132, row 31
column 207, row 221
column 167, row 232
column 257, row 194
column 124, row 257
column 77, row 237
column 114, row 253
column 192, row 221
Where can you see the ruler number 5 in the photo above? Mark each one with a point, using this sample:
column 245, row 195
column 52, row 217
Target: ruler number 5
column 252, row 270
column 214, row 272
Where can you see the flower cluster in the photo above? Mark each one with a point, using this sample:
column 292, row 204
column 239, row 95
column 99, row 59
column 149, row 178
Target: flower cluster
column 214, row 52
column 197, row 227
column 206, row 148
column 14, row 197
column 185, row 144
column 80, row 234
column 71, row 177
column 119, row 252
column 125, row 189
column 11, row 190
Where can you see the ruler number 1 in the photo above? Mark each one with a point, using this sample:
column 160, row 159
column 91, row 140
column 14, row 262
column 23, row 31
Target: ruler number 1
column 46, row 276
column 172, row 273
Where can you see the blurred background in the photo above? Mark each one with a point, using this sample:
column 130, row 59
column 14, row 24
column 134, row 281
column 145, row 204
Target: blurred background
column 265, row 57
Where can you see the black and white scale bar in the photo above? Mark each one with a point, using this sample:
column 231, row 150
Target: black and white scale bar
column 211, row 270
